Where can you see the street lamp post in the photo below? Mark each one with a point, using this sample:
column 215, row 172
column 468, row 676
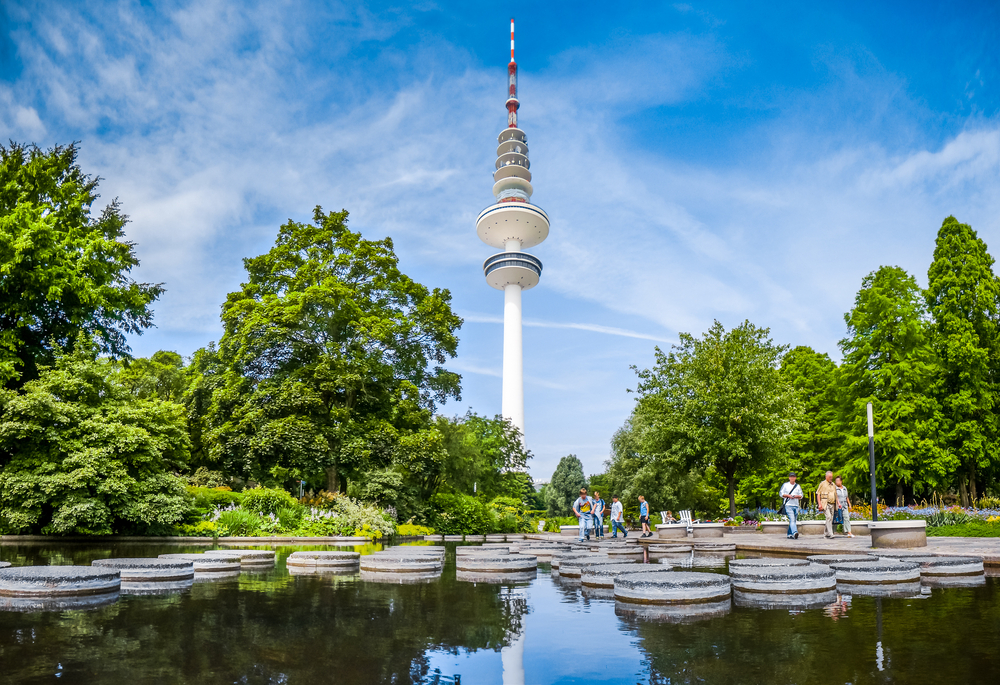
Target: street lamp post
column 871, row 462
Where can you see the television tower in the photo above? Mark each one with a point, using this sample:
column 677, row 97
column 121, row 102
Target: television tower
column 512, row 224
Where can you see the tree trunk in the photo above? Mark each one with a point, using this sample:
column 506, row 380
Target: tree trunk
column 332, row 479
column 963, row 494
column 973, row 495
column 899, row 494
column 732, row 496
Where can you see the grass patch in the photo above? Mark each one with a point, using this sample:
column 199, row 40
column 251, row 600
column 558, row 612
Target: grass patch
column 977, row 529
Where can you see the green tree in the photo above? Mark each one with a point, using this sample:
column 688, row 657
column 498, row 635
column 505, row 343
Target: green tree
column 80, row 454
column 483, row 456
column 720, row 401
column 565, row 486
column 888, row 361
column 162, row 375
column 813, row 444
column 962, row 295
column 63, row 270
column 330, row 357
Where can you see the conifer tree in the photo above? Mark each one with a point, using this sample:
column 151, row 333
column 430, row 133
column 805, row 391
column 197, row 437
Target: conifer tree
column 962, row 296
column 888, row 361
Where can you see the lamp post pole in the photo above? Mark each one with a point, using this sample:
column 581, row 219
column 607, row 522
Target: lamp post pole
column 871, row 462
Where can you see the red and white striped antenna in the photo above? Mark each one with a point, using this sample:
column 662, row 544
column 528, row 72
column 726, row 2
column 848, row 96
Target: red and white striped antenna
column 512, row 103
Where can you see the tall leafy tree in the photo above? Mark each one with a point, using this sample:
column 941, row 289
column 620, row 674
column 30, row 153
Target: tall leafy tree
column 331, row 356
column 721, row 401
column 82, row 455
column 63, row 269
column 963, row 295
column 565, row 485
column 888, row 361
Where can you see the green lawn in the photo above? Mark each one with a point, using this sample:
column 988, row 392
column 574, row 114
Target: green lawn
column 979, row 529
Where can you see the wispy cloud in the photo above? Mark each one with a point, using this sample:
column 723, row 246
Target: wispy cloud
column 591, row 327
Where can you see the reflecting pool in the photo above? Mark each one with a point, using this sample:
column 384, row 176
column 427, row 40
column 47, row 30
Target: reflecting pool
column 273, row 627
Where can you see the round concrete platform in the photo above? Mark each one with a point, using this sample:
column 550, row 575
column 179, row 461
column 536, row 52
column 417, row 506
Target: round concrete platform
column 511, row 578
column 900, row 553
column 672, row 613
column 621, row 551
column 496, row 563
column 475, row 538
column 393, row 578
column 4, row 564
column 709, row 546
column 878, row 572
column 454, row 538
column 790, row 580
column 559, row 559
column 953, row 581
column 323, row 560
column 840, row 558
column 670, row 549
column 247, row 557
column 764, row 600
column 573, row 568
column 483, row 549
column 603, row 576
column 58, row 581
column 948, row 566
column 155, row 587
column 388, row 563
column 203, row 564
column 766, row 561
column 678, row 587
column 148, row 570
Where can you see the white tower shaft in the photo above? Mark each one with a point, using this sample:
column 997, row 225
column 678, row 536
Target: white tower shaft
column 512, row 404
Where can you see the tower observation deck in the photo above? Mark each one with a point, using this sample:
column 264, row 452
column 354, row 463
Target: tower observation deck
column 512, row 224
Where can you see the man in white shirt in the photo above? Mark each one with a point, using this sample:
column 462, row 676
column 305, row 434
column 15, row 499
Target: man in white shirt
column 791, row 495
column 617, row 518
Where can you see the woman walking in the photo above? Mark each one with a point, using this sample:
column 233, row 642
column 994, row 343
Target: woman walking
column 843, row 506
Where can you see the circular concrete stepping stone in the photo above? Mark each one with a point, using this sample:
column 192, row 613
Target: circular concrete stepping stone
column 513, row 537
column 483, row 549
column 4, row 564
column 496, row 538
column 948, row 566
column 558, row 559
column 900, row 553
column 573, row 568
column 58, row 581
column 511, row 578
column 437, row 553
column 766, row 561
column 393, row 578
column 167, row 587
column 323, row 560
column 700, row 546
column 434, row 538
column 877, row 572
column 203, row 564
column 394, row 563
column 678, row 587
column 454, row 538
column 603, row 575
column 148, row 570
column 247, row 557
column 840, row 558
column 624, row 552
column 496, row 563
column 670, row 549
column 953, row 581
column 765, row 600
column 475, row 538
column 808, row 579
column 672, row 613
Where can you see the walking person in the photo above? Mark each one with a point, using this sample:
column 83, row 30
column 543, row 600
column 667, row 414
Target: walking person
column 644, row 517
column 617, row 518
column 583, row 507
column 826, row 500
column 791, row 495
column 843, row 505
column 598, row 515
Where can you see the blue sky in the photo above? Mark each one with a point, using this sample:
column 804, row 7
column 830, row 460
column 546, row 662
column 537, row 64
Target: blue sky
column 699, row 161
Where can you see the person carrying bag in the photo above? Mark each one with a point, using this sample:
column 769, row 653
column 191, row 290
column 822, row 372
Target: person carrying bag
column 791, row 495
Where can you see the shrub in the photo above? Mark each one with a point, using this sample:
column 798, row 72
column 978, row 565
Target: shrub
column 203, row 478
column 290, row 518
column 238, row 522
column 412, row 530
column 206, row 500
column 202, row 529
column 342, row 515
column 267, row 500
column 461, row 515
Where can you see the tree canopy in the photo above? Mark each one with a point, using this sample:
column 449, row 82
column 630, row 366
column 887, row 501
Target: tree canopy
column 63, row 270
column 565, row 486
